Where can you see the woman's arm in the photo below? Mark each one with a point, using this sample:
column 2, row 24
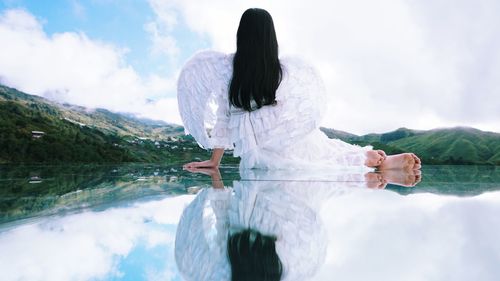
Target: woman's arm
column 214, row 161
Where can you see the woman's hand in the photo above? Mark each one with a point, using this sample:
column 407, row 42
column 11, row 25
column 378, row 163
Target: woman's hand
column 214, row 161
column 203, row 164
column 206, row 171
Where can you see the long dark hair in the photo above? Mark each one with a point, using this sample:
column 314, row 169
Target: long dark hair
column 253, row 257
column 257, row 71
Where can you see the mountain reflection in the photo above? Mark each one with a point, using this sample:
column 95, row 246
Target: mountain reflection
column 28, row 191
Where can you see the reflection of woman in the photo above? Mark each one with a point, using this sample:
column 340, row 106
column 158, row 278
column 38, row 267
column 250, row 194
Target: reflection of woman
column 259, row 229
column 265, row 108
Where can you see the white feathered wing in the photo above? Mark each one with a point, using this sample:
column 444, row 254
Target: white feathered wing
column 203, row 103
column 199, row 88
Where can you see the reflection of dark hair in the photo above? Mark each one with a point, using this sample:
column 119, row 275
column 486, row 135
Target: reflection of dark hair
column 253, row 257
column 257, row 71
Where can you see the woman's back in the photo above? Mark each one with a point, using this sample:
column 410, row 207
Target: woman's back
column 272, row 129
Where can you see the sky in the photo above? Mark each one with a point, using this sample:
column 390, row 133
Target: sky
column 386, row 64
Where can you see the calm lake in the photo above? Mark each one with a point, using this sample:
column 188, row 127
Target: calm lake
column 159, row 222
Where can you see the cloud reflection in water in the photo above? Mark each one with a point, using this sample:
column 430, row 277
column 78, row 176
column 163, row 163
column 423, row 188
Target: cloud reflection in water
column 330, row 226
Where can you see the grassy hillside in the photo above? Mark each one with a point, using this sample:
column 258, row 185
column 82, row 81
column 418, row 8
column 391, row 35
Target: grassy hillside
column 106, row 121
column 454, row 146
column 74, row 134
column 63, row 141
column 460, row 145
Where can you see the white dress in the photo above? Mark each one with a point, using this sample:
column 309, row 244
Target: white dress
column 281, row 136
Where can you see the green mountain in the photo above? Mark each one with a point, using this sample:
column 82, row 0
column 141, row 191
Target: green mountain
column 337, row 134
column 460, row 145
column 37, row 130
column 102, row 119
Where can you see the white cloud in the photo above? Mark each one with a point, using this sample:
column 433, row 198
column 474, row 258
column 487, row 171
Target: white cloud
column 89, row 245
column 381, row 235
column 160, row 29
column 162, row 43
column 387, row 63
column 77, row 69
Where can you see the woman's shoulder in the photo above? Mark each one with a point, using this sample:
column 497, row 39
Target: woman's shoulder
column 292, row 58
column 300, row 73
column 209, row 63
column 209, row 54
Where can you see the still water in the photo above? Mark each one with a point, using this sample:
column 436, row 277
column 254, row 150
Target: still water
column 158, row 222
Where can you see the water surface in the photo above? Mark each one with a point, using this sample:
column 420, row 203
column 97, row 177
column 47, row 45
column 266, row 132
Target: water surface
column 119, row 222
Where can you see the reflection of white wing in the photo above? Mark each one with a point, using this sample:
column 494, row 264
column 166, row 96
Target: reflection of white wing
column 280, row 203
column 271, row 208
column 200, row 242
column 202, row 80
column 267, row 207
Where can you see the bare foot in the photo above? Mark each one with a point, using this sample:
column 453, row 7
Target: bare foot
column 404, row 161
column 374, row 158
column 407, row 178
column 375, row 180
column 382, row 153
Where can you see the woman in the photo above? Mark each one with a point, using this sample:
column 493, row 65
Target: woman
column 267, row 109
